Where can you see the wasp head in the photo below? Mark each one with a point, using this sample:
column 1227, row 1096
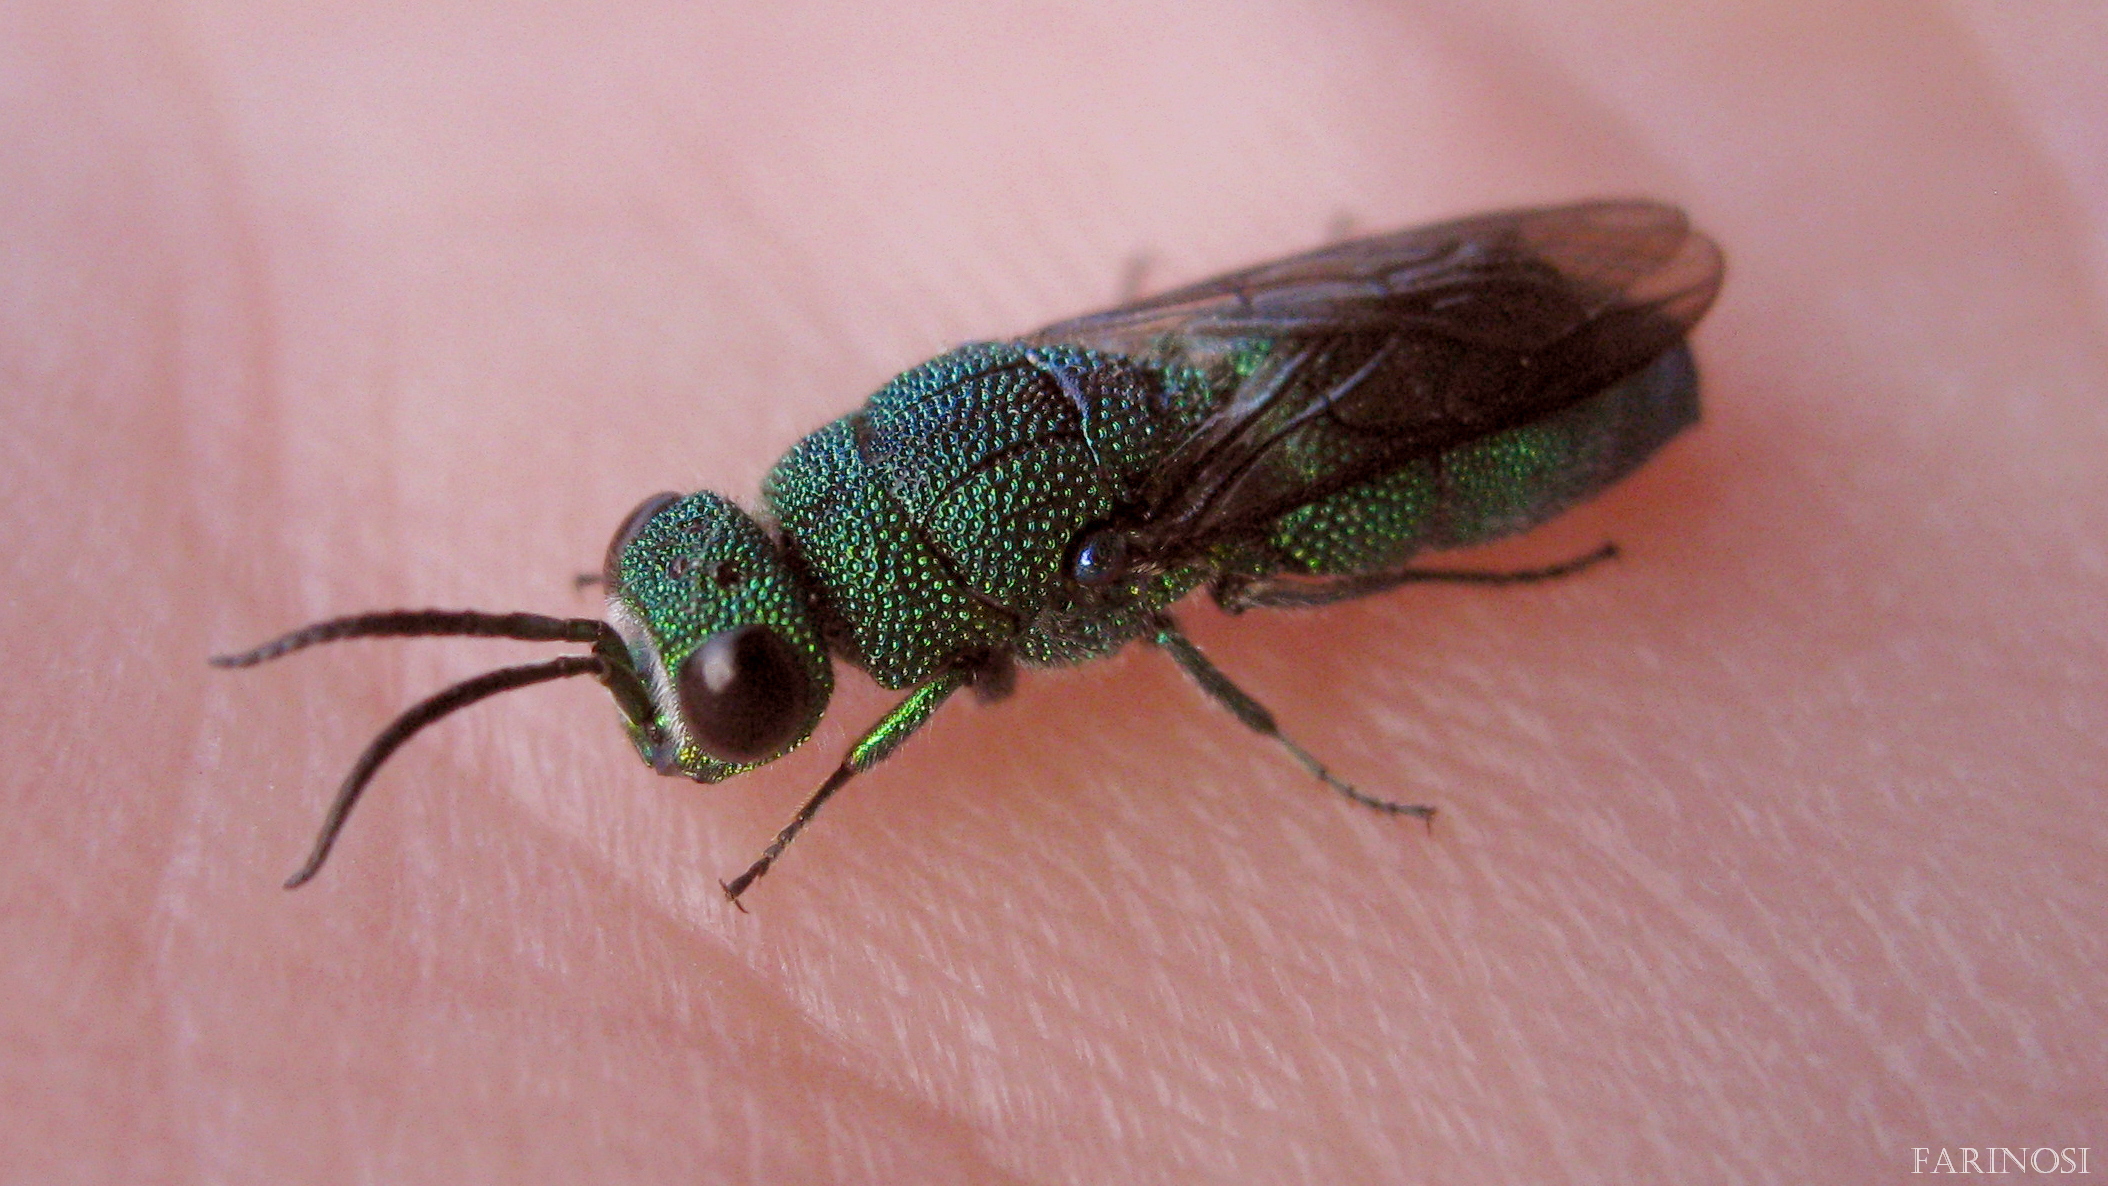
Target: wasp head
column 717, row 628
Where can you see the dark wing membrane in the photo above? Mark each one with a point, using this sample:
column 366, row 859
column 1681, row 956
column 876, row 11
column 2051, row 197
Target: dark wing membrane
column 1350, row 361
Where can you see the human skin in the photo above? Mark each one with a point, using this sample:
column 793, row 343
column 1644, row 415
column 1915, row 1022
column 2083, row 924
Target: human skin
column 1766, row 854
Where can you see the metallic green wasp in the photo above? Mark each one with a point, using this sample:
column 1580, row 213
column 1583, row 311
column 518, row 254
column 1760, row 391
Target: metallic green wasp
column 1290, row 435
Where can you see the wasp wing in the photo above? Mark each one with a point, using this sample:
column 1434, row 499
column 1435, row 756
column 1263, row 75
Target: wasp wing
column 1347, row 362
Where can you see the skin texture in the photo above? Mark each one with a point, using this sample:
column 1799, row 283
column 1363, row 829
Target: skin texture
column 1767, row 854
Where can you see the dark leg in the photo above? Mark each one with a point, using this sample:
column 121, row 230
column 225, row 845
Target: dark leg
column 884, row 737
column 1134, row 278
column 993, row 677
column 1237, row 596
column 1256, row 717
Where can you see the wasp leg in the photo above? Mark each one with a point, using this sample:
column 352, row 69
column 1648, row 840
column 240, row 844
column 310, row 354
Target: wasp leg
column 1240, row 594
column 993, row 676
column 882, row 739
column 1134, row 277
column 1166, row 634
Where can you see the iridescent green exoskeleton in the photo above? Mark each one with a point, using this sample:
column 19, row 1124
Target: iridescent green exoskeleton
column 1286, row 436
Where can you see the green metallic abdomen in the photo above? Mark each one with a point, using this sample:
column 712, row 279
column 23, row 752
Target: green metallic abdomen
column 1504, row 484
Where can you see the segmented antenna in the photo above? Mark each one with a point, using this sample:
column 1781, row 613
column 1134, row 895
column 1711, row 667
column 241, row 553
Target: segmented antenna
column 397, row 623
column 404, row 727
column 609, row 662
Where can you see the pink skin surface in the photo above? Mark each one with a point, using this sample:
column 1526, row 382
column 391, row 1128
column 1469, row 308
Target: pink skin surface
column 1767, row 854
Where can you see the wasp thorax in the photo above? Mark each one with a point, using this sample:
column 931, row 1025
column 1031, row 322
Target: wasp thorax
column 744, row 695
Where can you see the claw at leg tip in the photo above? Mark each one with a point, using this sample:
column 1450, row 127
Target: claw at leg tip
column 732, row 896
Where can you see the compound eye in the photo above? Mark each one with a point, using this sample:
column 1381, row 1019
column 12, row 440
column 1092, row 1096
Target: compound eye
column 744, row 694
column 611, row 568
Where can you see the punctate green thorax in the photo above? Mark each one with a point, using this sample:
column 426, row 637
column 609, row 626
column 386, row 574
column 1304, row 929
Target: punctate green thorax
column 940, row 519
